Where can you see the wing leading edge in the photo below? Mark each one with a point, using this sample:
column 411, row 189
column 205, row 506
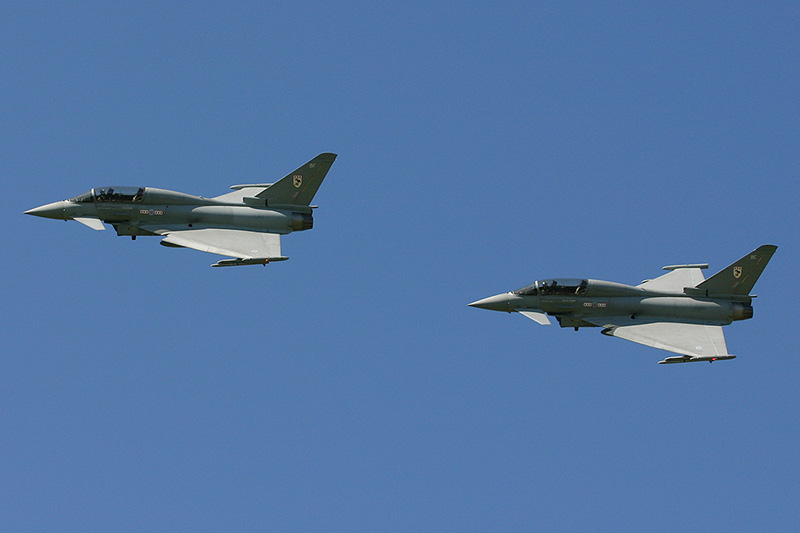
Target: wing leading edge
column 246, row 247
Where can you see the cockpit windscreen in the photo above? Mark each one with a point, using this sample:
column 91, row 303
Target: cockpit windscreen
column 557, row 286
column 111, row 194
column 85, row 198
column 119, row 194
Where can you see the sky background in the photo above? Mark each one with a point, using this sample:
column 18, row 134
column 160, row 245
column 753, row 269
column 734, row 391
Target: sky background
column 480, row 147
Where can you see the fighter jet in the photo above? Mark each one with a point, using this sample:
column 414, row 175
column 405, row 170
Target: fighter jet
column 246, row 224
column 680, row 311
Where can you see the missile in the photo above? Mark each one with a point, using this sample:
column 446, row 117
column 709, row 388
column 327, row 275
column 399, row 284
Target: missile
column 694, row 359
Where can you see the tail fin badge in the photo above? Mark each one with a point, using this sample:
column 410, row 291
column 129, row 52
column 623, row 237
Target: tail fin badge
column 297, row 180
column 737, row 272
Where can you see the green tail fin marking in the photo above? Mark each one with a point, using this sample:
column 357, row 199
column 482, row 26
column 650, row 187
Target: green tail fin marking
column 740, row 277
column 300, row 186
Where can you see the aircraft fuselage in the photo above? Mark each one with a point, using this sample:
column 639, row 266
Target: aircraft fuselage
column 596, row 298
column 680, row 312
column 245, row 225
column 129, row 213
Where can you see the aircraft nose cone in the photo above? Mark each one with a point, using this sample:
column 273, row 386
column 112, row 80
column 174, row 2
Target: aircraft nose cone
column 499, row 302
column 52, row 210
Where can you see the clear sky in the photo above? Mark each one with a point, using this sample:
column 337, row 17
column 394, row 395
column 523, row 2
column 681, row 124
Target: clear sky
column 350, row 388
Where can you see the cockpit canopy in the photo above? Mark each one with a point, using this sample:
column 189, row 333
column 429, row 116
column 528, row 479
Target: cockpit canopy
column 558, row 286
column 110, row 194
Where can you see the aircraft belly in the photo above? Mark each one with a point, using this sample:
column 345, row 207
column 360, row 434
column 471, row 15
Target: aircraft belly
column 132, row 230
column 571, row 321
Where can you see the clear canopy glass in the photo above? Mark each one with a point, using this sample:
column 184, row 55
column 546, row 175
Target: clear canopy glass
column 555, row 286
column 111, row 194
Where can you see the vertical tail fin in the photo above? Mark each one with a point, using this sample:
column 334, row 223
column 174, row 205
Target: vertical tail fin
column 300, row 186
column 739, row 277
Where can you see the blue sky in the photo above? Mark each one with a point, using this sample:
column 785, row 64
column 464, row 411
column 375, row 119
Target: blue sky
column 351, row 388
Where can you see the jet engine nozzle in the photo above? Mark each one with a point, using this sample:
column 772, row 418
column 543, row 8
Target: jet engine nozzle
column 742, row 311
column 302, row 221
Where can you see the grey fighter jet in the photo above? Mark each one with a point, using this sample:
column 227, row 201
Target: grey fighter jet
column 680, row 312
column 245, row 224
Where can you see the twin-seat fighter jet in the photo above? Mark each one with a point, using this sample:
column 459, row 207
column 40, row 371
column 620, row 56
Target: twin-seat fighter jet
column 246, row 224
column 680, row 312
